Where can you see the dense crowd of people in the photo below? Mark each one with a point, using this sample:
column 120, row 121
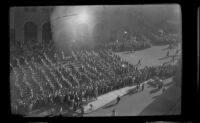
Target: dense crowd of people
column 46, row 79
column 140, row 42
column 49, row 78
column 130, row 45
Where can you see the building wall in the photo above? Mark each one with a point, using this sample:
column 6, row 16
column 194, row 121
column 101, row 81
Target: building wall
column 19, row 16
column 112, row 22
column 105, row 22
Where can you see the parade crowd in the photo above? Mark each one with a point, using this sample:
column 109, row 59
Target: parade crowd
column 49, row 80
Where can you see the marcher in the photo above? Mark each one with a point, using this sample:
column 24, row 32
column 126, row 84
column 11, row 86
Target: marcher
column 167, row 54
column 139, row 62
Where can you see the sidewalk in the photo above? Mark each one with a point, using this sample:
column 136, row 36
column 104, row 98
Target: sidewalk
column 106, row 98
column 111, row 96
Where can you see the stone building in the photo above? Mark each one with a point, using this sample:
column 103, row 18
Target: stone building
column 30, row 24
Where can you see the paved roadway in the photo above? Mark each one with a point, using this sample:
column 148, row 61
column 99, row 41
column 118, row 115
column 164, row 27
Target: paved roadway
column 149, row 57
column 133, row 103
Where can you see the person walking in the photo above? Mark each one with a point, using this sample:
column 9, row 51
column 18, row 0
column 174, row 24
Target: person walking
column 139, row 62
column 167, row 55
column 113, row 112
column 163, row 89
column 142, row 86
column 91, row 106
column 118, row 99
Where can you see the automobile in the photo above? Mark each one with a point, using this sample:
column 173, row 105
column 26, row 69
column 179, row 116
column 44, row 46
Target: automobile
column 155, row 82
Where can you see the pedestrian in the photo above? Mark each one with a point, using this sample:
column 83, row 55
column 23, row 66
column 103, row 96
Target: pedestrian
column 167, row 55
column 113, row 112
column 142, row 86
column 139, row 62
column 82, row 111
column 163, row 89
column 91, row 106
column 61, row 109
column 118, row 99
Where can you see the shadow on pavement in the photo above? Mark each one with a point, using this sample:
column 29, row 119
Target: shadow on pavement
column 131, row 91
column 162, row 58
column 109, row 106
column 151, row 85
column 154, row 90
column 156, row 96
column 166, row 48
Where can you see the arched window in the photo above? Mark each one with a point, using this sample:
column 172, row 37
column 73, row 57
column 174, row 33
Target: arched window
column 46, row 33
column 30, row 32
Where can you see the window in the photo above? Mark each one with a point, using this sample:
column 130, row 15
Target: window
column 30, row 32
column 46, row 33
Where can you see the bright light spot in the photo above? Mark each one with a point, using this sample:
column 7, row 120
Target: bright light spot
column 83, row 17
column 123, row 65
column 125, row 32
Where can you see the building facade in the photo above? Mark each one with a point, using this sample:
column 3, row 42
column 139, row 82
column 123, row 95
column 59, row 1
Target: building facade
column 30, row 24
column 33, row 25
